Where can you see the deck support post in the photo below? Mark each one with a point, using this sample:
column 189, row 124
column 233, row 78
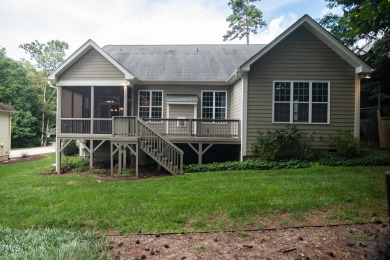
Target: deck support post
column 120, row 158
column 58, row 155
column 112, row 159
column 91, row 153
column 124, row 159
column 136, row 160
column 200, row 151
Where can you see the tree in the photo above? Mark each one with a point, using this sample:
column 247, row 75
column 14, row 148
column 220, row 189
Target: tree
column 17, row 91
column 246, row 19
column 366, row 21
column 47, row 56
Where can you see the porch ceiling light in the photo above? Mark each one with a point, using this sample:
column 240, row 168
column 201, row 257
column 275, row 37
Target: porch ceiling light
column 364, row 75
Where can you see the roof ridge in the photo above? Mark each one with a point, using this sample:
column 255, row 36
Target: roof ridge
column 192, row 44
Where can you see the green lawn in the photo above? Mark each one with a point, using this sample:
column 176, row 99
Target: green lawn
column 194, row 202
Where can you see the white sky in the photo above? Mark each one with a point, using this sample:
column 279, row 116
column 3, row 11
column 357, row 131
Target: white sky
column 137, row 21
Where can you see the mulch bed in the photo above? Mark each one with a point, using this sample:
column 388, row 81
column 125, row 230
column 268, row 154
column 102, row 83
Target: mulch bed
column 26, row 159
column 329, row 242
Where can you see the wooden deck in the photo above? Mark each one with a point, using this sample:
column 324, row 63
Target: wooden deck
column 155, row 137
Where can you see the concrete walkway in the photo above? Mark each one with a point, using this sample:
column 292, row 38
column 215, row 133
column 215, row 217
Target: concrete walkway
column 33, row 150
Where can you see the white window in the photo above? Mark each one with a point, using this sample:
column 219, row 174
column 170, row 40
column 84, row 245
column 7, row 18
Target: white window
column 301, row 102
column 150, row 104
column 214, row 104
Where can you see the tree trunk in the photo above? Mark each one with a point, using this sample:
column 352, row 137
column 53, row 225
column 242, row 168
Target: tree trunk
column 43, row 128
column 47, row 131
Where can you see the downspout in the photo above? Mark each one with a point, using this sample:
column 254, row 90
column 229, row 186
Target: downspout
column 9, row 136
column 356, row 129
column 244, row 119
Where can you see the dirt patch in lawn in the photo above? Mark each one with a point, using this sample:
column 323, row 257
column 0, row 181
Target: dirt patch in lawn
column 26, row 159
column 330, row 242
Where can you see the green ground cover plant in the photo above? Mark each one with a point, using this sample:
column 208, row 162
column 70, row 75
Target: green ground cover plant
column 247, row 165
column 205, row 201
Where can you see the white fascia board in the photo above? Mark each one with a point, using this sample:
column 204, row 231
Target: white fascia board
column 82, row 83
column 236, row 75
column 322, row 34
column 80, row 52
column 181, row 103
column 182, row 83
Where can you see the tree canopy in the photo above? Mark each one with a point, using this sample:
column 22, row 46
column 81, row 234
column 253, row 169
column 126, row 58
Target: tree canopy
column 17, row 91
column 46, row 57
column 364, row 26
column 245, row 19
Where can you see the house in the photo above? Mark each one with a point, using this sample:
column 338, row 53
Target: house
column 176, row 103
column 5, row 131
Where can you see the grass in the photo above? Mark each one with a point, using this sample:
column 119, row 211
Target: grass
column 195, row 202
column 50, row 244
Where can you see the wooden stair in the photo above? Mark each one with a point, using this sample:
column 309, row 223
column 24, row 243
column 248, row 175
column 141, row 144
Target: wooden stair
column 159, row 148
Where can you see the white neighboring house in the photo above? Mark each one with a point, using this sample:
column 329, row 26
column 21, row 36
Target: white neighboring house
column 5, row 131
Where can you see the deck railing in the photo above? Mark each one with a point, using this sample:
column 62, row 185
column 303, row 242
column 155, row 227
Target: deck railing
column 127, row 126
column 229, row 128
column 124, row 126
column 83, row 126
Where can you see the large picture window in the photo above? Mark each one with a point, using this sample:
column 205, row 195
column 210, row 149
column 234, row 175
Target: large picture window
column 301, row 102
column 214, row 104
column 150, row 104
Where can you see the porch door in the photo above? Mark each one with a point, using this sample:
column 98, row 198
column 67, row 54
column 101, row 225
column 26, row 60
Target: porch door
column 181, row 112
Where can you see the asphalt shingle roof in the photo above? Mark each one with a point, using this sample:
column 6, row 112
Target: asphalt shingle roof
column 182, row 62
column 5, row 108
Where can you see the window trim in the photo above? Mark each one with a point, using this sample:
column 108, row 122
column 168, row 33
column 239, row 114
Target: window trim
column 150, row 107
column 291, row 102
column 226, row 105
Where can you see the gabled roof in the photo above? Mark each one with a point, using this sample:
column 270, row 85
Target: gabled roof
column 182, row 63
column 79, row 53
column 203, row 63
column 306, row 21
column 5, row 108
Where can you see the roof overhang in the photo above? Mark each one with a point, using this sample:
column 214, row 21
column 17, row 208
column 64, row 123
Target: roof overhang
column 181, row 99
column 79, row 53
column 306, row 21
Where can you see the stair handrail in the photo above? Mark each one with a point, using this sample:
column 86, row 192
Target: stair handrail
column 141, row 122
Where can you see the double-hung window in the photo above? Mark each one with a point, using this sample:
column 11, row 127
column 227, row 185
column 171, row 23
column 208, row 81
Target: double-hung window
column 214, row 104
column 150, row 103
column 301, row 102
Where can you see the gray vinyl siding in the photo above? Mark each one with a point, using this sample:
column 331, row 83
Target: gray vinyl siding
column 193, row 90
column 4, row 135
column 92, row 66
column 236, row 108
column 301, row 56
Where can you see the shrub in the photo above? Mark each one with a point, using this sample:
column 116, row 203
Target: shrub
column 347, row 145
column 267, row 146
column 246, row 165
column 365, row 158
column 282, row 144
column 73, row 164
column 24, row 154
column 71, row 148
